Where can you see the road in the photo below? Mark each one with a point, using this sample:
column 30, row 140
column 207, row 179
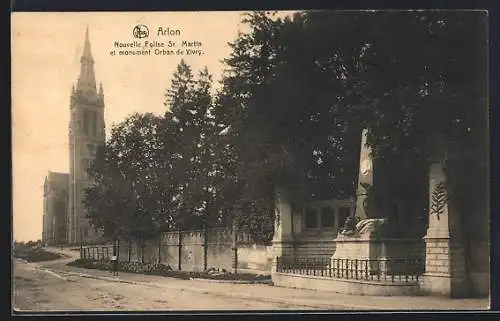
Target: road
column 37, row 289
column 53, row 286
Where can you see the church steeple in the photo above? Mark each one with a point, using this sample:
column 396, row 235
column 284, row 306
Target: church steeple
column 86, row 81
column 86, row 132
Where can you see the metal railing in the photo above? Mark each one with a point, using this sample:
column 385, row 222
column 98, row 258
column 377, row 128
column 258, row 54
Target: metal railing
column 403, row 270
column 97, row 252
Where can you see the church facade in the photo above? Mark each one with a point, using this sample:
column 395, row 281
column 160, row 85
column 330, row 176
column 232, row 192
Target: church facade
column 55, row 208
column 86, row 133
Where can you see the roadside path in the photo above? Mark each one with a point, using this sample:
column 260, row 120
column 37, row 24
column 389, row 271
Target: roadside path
column 267, row 293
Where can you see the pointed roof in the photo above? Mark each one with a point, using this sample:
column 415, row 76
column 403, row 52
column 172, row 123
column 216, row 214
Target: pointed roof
column 86, row 80
column 87, row 53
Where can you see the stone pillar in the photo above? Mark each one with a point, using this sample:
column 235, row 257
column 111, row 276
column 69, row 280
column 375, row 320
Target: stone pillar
column 365, row 175
column 282, row 243
column 444, row 255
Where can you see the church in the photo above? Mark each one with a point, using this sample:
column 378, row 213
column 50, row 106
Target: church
column 64, row 219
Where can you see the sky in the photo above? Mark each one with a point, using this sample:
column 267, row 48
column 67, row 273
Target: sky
column 46, row 51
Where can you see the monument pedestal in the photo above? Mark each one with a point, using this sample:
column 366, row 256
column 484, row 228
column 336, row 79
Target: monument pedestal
column 361, row 254
column 282, row 243
column 444, row 256
column 444, row 267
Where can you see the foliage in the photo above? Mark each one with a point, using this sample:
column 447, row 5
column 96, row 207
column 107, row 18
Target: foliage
column 188, row 150
column 166, row 270
column 125, row 197
column 295, row 96
column 399, row 74
column 34, row 254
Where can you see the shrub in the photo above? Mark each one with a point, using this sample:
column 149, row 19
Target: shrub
column 35, row 254
column 166, row 270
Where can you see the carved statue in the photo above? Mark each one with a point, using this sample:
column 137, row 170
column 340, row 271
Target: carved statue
column 349, row 228
column 354, row 227
column 372, row 226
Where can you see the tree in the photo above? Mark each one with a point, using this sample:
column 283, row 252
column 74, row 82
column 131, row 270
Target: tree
column 188, row 133
column 125, row 199
column 303, row 88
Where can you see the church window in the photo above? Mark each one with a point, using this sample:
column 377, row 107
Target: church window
column 86, row 164
column 91, row 149
column 311, row 219
column 90, row 122
column 82, row 196
column 94, row 124
column 327, row 217
column 86, row 122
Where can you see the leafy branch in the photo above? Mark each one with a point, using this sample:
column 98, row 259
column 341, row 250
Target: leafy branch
column 439, row 199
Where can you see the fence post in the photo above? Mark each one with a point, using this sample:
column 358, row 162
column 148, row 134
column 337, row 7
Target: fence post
column 205, row 247
column 159, row 248
column 142, row 249
column 179, row 265
column 129, row 249
column 235, row 247
column 81, row 250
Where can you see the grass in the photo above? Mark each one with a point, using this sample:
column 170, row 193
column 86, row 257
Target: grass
column 35, row 254
column 167, row 271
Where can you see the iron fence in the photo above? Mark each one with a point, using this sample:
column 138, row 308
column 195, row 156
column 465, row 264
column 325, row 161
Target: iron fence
column 404, row 270
column 97, row 252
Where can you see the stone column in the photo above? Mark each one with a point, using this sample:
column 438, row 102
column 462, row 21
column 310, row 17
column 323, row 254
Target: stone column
column 365, row 175
column 282, row 243
column 444, row 255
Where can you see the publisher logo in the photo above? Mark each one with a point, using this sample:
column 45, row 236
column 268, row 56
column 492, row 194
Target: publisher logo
column 140, row 31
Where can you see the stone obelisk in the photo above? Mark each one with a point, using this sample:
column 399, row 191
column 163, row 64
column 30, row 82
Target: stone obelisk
column 445, row 272
column 365, row 176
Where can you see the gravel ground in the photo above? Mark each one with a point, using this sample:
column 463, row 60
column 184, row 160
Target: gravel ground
column 39, row 290
column 53, row 286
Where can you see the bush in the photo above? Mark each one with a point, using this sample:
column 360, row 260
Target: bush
column 35, row 254
column 166, row 270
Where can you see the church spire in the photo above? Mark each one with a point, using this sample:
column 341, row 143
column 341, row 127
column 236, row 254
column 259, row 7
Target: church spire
column 86, row 81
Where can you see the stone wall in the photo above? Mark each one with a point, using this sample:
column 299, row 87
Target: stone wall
column 219, row 253
column 356, row 287
column 314, row 248
column 445, row 269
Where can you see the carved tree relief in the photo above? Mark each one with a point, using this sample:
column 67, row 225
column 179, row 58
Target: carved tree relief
column 439, row 199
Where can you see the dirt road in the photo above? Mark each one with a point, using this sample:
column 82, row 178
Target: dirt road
column 54, row 286
column 37, row 289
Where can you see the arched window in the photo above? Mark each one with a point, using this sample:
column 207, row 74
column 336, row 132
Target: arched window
column 90, row 122
column 311, row 219
column 86, row 164
column 327, row 217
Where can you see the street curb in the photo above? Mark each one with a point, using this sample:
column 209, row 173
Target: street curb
column 231, row 281
column 312, row 304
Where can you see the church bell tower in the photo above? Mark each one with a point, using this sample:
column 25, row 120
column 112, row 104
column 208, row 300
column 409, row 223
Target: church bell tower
column 86, row 133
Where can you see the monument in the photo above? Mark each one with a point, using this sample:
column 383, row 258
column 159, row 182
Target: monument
column 444, row 254
column 361, row 235
column 365, row 177
column 282, row 242
column 367, row 236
